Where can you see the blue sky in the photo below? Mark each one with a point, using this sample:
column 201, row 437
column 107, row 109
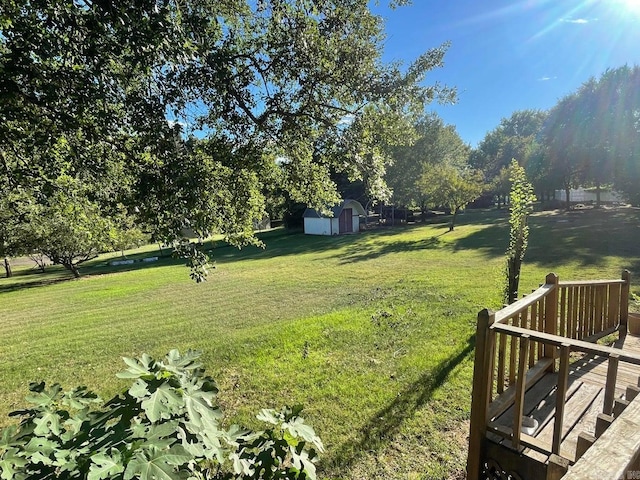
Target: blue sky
column 513, row 55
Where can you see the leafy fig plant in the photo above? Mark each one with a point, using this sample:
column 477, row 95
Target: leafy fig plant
column 166, row 426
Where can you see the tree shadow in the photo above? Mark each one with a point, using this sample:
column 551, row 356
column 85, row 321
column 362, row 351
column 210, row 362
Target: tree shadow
column 557, row 238
column 361, row 253
column 295, row 243
column 39, row 282
column 386, row 423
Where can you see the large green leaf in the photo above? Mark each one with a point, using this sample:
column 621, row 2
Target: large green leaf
column 303, row 462
column 139, row 389
column 48, row 422
column 138, row 368
column 7, row 437
column 157, row 464
column 199, row 404
column 105, row 466
column 162, row 403
column 10, row 463
column 46, row 396
column 179, row 363
column 80, row 398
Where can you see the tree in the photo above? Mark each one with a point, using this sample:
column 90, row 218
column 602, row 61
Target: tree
column 521, row 199
column 435, row 143
column 452, row 187
column 592, row 135
column 124, row 85
column 69, row 229
column 514, row 138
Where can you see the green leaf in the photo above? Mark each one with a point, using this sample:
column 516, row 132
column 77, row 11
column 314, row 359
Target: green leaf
column 138, row 369
column 139, row 389
column 269, row 415
column 43, row 397
column 178, row 363
column 105, row 466
column 303, row 463
column 41, row 445
column 80, row 398
column 162, row 404
column 49, row 422
column 8, row 434
column 157, row 465
column 199, row 404
column 10, row 463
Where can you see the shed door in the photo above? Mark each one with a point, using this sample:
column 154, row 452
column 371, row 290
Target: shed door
column 346, row 221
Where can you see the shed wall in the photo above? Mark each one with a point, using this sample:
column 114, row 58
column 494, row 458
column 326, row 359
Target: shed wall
column 317, row 226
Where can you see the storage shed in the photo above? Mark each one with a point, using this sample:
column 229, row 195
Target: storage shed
column 345, row 219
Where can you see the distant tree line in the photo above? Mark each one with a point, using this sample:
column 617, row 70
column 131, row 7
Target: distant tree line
column 590, row 138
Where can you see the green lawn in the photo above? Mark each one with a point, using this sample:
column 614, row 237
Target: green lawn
column 373, row 333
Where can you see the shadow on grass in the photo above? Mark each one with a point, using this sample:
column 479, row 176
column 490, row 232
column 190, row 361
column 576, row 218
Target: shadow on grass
column 295, row 243
column 37, row 282
column 556, row 238
column 361, row 253
column 387, row 422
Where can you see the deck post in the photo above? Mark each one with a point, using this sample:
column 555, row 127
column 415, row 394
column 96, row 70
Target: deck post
column 557, row 466
column 561, row 392
column 481, row 393
column 551, row 317
column 610, row 385
column 624, row 300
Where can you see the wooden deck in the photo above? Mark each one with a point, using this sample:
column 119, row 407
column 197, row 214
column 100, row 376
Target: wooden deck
column 538, row 362
column 584, row 400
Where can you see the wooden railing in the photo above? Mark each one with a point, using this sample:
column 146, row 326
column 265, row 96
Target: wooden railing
column 518, row 344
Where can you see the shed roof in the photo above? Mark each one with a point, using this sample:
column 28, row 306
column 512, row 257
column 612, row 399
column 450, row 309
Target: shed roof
column 336, row 210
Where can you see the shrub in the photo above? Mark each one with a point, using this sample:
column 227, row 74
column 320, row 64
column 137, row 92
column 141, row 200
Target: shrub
column 165, row 426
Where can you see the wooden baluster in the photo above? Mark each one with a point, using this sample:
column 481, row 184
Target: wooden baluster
column 570, row 314
column 614, row 304
column 551, row 317
column 587, row 310
column 533, row 326
column 561, row 392
column 502, row 349
column 564, row 325
column 541, row 327
column 584, row 323
column 624, row 300
column 599, row 325
column 605, row 307
column 514, row 347
column 610, row 386
column 592, row 309
column 481, row 391
column 576, row 319
column 518, row 409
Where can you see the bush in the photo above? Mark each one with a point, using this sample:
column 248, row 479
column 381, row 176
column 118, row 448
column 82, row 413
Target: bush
column 165, row 427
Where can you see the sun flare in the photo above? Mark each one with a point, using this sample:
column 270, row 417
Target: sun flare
column 630, row 6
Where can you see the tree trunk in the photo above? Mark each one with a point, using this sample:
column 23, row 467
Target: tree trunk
column 513, row 272
column 598, row 195
column 454, row 213
column 567, row 193
column 7, row 267
column 74, row 269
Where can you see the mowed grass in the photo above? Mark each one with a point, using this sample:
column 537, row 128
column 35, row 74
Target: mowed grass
column 373, row 333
